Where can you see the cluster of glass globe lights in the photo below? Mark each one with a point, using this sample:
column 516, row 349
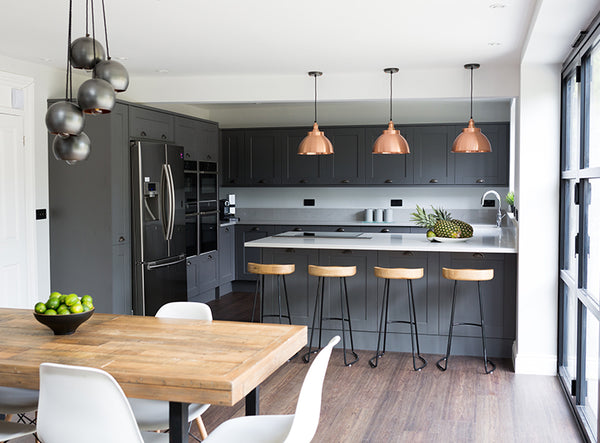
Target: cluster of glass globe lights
column 95, row 96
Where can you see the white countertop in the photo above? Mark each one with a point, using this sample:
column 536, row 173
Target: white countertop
column 485, row 240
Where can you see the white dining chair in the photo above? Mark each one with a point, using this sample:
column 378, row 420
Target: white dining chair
column 10, row 430
column 18, row 401
column 297, row 428
column 86, row 404
column 153, row 415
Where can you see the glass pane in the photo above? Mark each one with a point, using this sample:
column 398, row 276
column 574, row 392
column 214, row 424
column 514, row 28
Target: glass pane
column 594, row 146
column 572, row 125
column 571, row 227
column 591, row 371
column 591, row 244
column 570, row 335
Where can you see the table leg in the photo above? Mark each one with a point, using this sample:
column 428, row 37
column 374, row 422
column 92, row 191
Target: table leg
column 252, row 402
column 178, row 422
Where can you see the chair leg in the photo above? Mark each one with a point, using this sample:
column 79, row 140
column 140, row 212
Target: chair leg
column 349, row 323
column 413, row 322
column 445, row 358
column 386, row 294
column 485, row 359
column 306, row 357
column 201, row 428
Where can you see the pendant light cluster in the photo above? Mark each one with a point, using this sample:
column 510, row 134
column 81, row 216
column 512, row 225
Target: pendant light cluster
column 391, row 142
column 97, row 95
column 471, row 140
column 315, row 143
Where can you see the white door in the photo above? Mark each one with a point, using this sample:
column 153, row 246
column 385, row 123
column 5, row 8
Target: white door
column 14, row 288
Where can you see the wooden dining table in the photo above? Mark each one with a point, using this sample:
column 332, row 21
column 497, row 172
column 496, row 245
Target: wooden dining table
column 180, row 361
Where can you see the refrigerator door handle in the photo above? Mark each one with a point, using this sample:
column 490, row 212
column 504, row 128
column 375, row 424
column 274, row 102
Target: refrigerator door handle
column 164, row 216
column 162, row 263
column 171, row 203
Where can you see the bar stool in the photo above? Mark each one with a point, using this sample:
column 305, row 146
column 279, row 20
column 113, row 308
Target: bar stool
column 477, row 275
column 408, row 274
column 280, row 271
column 332, row 271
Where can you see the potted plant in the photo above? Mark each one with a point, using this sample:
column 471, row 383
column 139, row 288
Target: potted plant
column 510, row 199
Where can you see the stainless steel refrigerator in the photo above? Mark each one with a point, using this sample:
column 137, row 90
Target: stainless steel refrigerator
column 158, row 218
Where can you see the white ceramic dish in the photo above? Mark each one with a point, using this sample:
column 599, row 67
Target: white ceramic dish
column 447, row 240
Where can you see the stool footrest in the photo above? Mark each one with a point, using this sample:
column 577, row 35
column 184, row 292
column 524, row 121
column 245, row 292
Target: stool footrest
column 467, row 324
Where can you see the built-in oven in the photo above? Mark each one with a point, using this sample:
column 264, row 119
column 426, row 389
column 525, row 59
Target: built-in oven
column 201, row 207
column 207, row 181
column 208, row 225
column 190, row 177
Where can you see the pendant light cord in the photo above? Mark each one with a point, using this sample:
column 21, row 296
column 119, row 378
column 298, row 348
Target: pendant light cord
column 93, row 29
column 87, row 20
column 315, row 98
column 391, row 73
column 471, row 92
column 67, row 97
column 105, row 32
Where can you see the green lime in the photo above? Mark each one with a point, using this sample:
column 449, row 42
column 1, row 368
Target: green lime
column 86, row 307
column 87, row 299
column 430, row 234
column 52, row 303
column 63, row 310
column 76, row 308
column 50, row 312
column 71, row 299
column 40, row 308
column 55, row 294
column 61, row 299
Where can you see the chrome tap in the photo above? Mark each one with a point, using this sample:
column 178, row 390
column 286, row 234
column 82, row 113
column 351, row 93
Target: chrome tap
column 499, row 214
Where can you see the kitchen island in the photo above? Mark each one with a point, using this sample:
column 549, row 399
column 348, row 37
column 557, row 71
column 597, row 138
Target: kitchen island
column 490, row 247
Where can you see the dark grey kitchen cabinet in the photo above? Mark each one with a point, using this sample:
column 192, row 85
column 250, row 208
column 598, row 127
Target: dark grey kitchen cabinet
column 226, row 254
column 262, row 165
column 232, row 157
column 202, row 273
column 243, row 255
column 498, row 295
column 486, row 168
column 388, row 169
column 147, row 123
column 89, row 215
column 299, row 170
column 200, row 140
column 432, row 163
column 346, row 165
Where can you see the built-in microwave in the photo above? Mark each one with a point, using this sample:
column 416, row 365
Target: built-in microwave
column 201, row 182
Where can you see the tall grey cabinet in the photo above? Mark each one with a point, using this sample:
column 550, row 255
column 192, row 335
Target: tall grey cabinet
column 90, row 232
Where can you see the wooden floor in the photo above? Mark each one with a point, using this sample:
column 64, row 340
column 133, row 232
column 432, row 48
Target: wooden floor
column 393, row 403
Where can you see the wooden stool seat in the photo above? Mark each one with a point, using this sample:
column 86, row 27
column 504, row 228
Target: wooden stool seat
column 332, row 271
column 468, row 274
column 274, row 269
column 398, row 273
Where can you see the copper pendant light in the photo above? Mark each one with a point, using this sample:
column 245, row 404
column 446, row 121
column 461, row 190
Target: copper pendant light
column 315, row 143
column 391, row 142
column 471, row 140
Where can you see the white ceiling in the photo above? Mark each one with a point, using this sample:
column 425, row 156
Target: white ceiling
column 275, row 37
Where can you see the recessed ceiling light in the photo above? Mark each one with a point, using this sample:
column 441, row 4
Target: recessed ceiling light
column 494, row 43
column 45, row 59
column 162, row 71
column 497, row 5
column 122, row 58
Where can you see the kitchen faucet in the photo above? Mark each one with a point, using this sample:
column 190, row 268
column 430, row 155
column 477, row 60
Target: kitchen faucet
column 499, row 213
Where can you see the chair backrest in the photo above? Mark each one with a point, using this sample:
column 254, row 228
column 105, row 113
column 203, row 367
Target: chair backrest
column 83, row 404
column 185, row 309
column 308, row 408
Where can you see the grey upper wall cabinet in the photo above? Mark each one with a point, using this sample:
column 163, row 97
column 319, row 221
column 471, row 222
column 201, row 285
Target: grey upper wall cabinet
column 384, row 169
column 150, row 124
column 268, row 157
column 199, row 139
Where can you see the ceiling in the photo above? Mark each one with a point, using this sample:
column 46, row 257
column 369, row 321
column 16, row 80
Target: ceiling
column 275, row 37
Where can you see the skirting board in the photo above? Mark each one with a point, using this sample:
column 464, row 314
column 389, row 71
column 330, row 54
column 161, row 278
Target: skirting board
column 533, row 364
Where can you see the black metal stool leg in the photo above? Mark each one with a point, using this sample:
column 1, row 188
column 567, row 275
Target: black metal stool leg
column 306, row 357
column 262, row 298
column 386, row 293
column 413, row 322
column 256, row 292
column 485, row 359
column 349, row 325
column 279, row 296
column 445, row 359
column 287, row 303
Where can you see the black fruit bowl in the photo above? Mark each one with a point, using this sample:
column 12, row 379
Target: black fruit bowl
column 63, row 324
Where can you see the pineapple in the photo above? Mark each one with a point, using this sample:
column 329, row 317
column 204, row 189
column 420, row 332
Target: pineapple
column 421, row 218
column 447, row 229
column 466, row 230
column 441, row 214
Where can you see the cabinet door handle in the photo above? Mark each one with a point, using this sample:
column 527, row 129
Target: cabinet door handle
column 384, row 230
column 433, row 180
column 121, row 239
column 388, row 181
column 478, row 255
column 480, row 180
column 261, row 181
column 345, row 181
column 409, row 253
column 226, row 229
column 208, row 157
column 232, row 181
column 297, row 229
column 163, row 136
column 187, row 155
column 255, row 228
column 210, row 257
column 346, row 251
column 143, row 134
column 340, row 230
column 189, row 263
column 290, row 250
column 303, row 181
